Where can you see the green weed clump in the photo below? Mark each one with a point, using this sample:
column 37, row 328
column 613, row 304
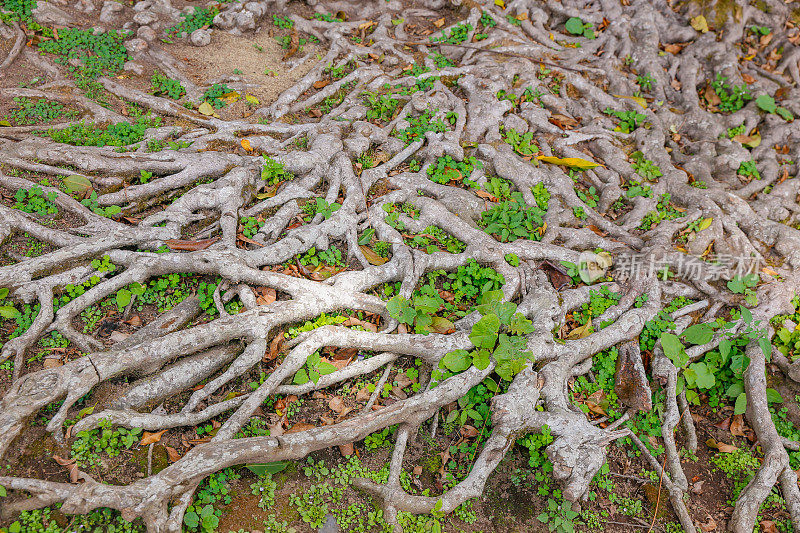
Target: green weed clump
column 101, row 54
column 199, row 18
column 160, row 84
column 90, row 134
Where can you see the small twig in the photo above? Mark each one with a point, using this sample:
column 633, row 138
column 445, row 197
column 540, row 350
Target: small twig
column 378, row 389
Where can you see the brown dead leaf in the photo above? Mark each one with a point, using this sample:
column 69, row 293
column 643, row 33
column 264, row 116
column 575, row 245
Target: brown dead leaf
column 597, row 230
column 266, row 295
column 723, row 424
column 71, row 467
column 150, row 438
column 300, row 426
column 362, row 395
column 439, row 23
column 709, row 525
column 400, row 393
column 748, row 78
column 562, row 121
column 336, row 405
column 673, row 48
column 134, row 321
column 372, row 257
column 294, row 44
column 274, row 347
column 556, row 274
column 711, row 96
column 737, row 426
column 172, row 453
column 721, row 446
column 595, row 402
column 418, row 470
column 468, row 431
column 768, row 526
column 321, row 83
column 190, row 246
column 346, row 449
column 327, row 420
column 486, row 196
column 52, row 362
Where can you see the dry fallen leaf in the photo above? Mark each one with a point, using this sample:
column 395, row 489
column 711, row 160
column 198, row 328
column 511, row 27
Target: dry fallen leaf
column 363, row 395
column 468, row 431
column 372, row 257
column 150, row 438
column 699, row 23
column 300, row 426
column 572, row 162
column 737, row 426
column 172, row 453
column 721, row 446
column 439, row 23
column 70, row 465
column 768, row 526
column 319, row 84
column 346, row 449
column 246, row 145
column 190, row 246
column 709, row 525
column 336, row 404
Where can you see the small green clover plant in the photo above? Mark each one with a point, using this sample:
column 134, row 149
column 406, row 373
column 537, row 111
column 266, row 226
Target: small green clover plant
column 499, row 335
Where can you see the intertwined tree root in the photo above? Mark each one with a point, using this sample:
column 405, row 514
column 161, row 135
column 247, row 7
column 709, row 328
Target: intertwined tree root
column 683, row 140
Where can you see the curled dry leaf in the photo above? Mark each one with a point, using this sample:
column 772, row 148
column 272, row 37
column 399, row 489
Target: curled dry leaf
column 70, row 465
column 190, row 246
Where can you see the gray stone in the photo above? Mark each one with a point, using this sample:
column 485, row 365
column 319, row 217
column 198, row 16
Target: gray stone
column 46, row 13
column 258, row 9
column 245, row 21
column 133, row 66
column 135, row 45
column 110, row 11
column 225, row 20
column 330, row 525
column 87, row 6
column 200, row 37
column 142, row 6
column 147, row 33
column 145, row 18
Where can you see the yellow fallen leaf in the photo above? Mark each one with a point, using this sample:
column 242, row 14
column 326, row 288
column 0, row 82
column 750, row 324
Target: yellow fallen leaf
column 748, row 141
column 500, row 3
column 638, row 99
column 573, row 162
column 439, row 23
column 231, row 97
column 581, row 331
column 705, row 223
column 251, row 99
column 372, row 256
column 246, row 145
column 207, row 109
column 699, row 23
column 767, row 270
